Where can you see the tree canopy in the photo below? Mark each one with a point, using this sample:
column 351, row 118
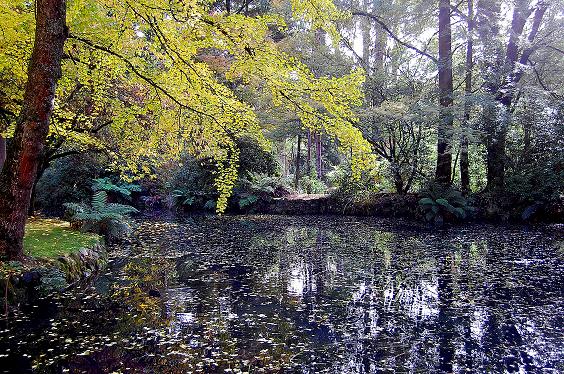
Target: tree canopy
column 161, row 75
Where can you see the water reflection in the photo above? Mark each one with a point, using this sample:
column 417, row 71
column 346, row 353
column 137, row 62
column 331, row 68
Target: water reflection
column 306, row 295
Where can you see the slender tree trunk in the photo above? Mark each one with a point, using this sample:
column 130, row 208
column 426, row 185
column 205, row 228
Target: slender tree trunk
column 398, row 181
column 444, row 133
column 464, row 159
column 2, row 151
column 366, row 39
column 379, row 53
column 298, row 160
column 23, row 155
column 379, row 49
column 308, row 163
column 319, row 153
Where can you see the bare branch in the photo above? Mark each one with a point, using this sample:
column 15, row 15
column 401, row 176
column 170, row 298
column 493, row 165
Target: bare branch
column 393, row 36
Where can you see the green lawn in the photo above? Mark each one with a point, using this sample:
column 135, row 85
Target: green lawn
column 50, row 238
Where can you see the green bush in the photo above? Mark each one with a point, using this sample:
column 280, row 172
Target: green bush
column 255, row 188
column 311, row 184
column 443, row 202
column 66, row 180
column 341, row 178
column 121, row 189
column 101, row 217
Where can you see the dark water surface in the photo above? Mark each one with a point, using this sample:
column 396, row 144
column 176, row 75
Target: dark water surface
column 306, row 295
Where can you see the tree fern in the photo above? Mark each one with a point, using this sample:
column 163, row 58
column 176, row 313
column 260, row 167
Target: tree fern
column 108, row 219
column 122, row 189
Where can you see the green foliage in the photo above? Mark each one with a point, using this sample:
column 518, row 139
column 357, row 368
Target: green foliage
column 253, row 158
column 66, row 180
column 183, row 198
column 259, row 183
column 311, row 184
column 210, row 205
column 341, row 178
column 52, row 279
column 189, row 200
column 254, row 188
column 108, row 219
column 439, row 203
column 9, row 268
column 247, row 201
column 122, row 189
column 193, row 182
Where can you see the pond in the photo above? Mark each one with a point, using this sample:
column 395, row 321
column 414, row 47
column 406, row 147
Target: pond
column 305, row 295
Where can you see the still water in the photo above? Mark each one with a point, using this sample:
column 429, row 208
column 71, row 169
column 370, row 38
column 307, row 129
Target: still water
column 263, row 294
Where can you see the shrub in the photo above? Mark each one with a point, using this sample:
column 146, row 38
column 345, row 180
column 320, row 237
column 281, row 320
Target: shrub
column 312, row 185
column 101, row 217
column 439, row 203
column 66, row 180
column 341, row 177
column 255, row 188
column 189, row 200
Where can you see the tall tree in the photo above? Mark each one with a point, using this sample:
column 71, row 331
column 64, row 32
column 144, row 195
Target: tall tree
column 444, row 133
column 23, row 155
column 298, row 160
column 504, row 91
column 319, row 153
column 366, row 39
column 464, row 159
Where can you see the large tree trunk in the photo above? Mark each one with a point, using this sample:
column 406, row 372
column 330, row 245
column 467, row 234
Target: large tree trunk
column 23, row 155
column 444, row 133
column 464, row 160
column 496, row 158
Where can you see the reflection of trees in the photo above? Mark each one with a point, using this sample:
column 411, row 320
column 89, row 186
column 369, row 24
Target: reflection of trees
column 446, row 317
column 501, row 340
column 369, row 301
column 360, row 299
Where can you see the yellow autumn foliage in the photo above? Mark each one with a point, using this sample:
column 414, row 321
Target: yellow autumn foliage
column 145, row 66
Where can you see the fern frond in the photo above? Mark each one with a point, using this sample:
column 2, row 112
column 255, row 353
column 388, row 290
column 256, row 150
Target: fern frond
column 99, row 200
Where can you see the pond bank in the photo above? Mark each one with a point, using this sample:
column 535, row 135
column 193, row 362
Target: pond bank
column 389, row 205
column 58, row 258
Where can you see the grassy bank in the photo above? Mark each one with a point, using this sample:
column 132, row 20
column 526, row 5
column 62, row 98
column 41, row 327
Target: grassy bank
column 51, row 238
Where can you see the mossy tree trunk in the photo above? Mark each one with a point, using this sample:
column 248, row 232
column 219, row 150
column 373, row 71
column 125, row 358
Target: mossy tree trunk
column 23, row 154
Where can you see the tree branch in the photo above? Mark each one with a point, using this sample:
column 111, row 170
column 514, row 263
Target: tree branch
column 136, row 71
column 393, row 36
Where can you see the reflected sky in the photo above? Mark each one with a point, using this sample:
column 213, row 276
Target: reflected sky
column 306, row 295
